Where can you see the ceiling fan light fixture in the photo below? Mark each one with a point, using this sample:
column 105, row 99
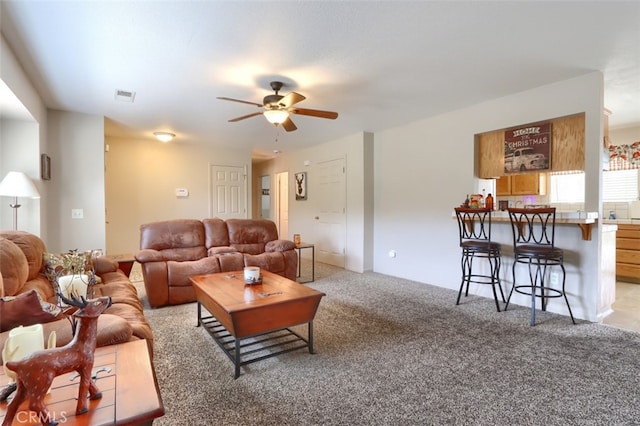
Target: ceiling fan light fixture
column 276, row 116
column 164, row 136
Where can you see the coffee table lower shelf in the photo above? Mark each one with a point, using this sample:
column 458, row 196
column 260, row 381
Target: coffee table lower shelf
column 250, row 349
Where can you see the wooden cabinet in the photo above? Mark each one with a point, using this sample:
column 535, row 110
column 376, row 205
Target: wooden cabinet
column 525, row 184
column 628, row 253
column 503, row 185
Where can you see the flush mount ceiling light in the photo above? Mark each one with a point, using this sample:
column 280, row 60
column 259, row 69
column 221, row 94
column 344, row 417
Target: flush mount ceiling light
column 276, row 116
column 164, row 136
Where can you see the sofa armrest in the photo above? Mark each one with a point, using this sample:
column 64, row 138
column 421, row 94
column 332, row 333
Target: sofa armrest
column 279, row 245
column 149, row 255
column 103, row 264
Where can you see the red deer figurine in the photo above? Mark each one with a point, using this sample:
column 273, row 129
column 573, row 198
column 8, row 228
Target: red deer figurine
column 35, row 373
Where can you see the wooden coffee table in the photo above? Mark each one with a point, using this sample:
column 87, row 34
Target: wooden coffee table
column 252, row 322
column 125, row 376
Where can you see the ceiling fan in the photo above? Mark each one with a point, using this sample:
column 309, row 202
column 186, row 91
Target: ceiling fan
column 278, row 108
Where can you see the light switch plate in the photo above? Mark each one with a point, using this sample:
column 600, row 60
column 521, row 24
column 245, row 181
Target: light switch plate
column 77, row 214
column 182, row 192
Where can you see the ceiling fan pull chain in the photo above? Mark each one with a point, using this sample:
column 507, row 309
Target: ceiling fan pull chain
column 277, row 133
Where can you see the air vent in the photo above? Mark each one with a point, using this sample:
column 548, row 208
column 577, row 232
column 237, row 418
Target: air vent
column 125, row 96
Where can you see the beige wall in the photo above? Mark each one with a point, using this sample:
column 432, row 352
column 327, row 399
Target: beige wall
column 142, row 177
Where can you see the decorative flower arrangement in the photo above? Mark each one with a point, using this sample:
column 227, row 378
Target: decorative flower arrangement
column 72, row 263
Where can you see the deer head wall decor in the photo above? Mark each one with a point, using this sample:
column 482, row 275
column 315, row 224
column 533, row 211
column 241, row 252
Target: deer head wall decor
column 35, row 373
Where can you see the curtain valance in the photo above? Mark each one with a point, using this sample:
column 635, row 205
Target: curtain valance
column 624, row 157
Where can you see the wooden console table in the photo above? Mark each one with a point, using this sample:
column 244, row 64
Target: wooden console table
column 125, row 376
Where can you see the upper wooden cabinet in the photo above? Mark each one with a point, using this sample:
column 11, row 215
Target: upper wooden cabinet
column 567, row 147
column 524, row 184
column 503, row 185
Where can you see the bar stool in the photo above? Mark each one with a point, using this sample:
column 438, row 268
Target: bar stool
column 533, row 245
column 474, row 227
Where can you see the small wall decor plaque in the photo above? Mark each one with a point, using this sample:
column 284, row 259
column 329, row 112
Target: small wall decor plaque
column 45, row 167
column 301, row 186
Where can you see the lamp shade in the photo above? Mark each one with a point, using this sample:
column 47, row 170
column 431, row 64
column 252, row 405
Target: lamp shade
column 276, row 116
column 17, row 184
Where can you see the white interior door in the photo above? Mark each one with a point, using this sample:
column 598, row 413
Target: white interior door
column 282, row 204
column 228, row 192
column 331, row 220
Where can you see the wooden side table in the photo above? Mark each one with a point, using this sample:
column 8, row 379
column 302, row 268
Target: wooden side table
column 125, row 376
column 125, row 261
column 299, row 248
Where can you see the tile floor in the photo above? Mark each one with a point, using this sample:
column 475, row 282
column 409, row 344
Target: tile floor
column 626, row 308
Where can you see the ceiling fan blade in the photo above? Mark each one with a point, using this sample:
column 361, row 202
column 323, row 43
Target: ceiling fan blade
column 233, row 120
column 238, row 100
column 288, row 125
column 291, row 99
column 315, row 113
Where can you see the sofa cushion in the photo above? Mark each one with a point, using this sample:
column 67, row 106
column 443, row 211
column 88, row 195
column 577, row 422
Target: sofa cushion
column 216, row 232
column 251, row 235
column 32, row 247
column 13, row 266
column 230, row 261
column 273, row 261
column 172, row 234
column 179, row 272
column 26, row 309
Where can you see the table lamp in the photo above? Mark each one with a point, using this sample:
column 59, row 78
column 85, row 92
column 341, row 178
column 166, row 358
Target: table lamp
column 17, row 184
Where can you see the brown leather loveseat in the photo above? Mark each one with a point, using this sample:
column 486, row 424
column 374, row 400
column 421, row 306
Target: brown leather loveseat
column 172, row 251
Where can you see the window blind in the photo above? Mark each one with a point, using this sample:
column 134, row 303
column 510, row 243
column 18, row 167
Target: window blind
column 620, row 185
column 617, row 186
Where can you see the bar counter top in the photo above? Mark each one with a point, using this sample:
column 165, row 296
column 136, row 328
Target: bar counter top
column 561, row 217
column 583, row 219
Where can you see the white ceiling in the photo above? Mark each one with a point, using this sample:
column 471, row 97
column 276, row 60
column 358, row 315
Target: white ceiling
column 379, row 64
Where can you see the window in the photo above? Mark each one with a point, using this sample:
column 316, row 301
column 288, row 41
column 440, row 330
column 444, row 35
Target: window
column 620, row 185
column 617, row 186
column 567, row 187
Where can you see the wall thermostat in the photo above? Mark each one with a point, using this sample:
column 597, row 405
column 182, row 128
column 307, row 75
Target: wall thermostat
column 182, row 192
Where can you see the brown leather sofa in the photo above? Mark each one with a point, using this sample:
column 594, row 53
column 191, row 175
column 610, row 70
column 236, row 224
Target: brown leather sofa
column 22, row 270
column 174, row 250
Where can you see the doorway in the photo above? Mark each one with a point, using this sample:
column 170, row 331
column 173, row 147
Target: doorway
column 265, row 197
column 228, row 196
column 331, row 220
column 282, row 204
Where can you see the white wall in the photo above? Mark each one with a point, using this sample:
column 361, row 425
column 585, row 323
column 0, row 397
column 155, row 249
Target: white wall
column 76, row 144
column 357, row 151
column 18, row 152
column 424, row 169
column 141, row 179
column 21, row 143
